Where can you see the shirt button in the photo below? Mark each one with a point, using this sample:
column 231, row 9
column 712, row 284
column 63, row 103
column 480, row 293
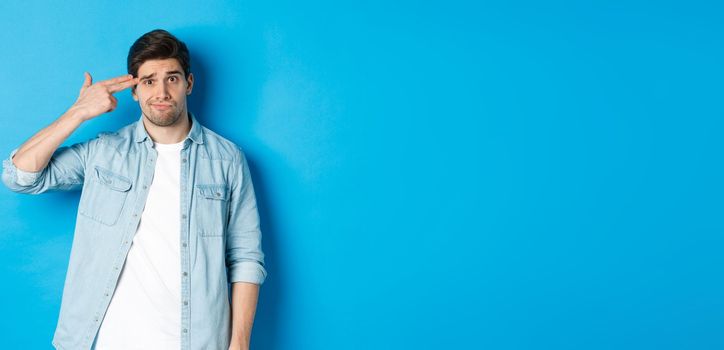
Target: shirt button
column 184, row 160
column 184, row 244
column 145, row 187
column 186, row 302
column 186, row 330
column 186, row 274
column 183, row 216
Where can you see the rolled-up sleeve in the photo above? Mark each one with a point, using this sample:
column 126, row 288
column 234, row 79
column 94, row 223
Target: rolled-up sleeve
column 14, row 176
column 65, row 171
column 244, row 256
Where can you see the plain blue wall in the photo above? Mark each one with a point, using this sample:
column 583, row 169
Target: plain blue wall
column 431, row 175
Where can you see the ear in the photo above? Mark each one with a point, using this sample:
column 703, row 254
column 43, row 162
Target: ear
column 190, row 81
column 133, row 93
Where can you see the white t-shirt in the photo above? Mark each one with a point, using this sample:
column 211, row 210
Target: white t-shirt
column 145, row 310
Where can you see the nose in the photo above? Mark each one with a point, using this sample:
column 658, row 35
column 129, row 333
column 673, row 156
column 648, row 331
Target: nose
column 162, row 91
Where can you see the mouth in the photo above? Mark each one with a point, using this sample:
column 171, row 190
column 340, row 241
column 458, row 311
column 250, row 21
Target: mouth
column 161, row 106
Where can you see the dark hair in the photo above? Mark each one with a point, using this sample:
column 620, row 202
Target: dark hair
column 158, row 45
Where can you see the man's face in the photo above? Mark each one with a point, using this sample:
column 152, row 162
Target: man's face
column 161, row 91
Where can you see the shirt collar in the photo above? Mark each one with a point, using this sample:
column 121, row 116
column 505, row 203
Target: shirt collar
column 195, row 134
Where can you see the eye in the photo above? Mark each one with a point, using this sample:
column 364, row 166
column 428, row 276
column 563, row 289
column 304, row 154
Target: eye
column 173, row 79
column 148, row 82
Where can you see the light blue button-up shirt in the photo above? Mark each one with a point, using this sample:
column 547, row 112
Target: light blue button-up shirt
column 220, row 236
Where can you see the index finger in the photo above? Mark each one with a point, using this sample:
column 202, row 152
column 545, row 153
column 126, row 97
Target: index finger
column 116, row 80
column 122, row 85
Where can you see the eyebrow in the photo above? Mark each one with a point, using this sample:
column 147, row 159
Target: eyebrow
column 173, row 72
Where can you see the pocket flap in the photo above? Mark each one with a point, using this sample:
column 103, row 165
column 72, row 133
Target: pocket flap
column 114, row 181
column 214, row 191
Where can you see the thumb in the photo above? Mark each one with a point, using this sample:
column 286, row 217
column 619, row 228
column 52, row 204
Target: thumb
column 88, row 81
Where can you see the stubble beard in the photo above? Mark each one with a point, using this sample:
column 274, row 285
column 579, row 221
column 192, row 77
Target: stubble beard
column 162, row 119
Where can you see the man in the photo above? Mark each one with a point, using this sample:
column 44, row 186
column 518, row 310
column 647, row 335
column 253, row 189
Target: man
column 167, row 215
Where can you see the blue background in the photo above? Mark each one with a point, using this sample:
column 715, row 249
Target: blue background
column 431, row 175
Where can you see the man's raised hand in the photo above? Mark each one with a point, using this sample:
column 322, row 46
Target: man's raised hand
column 96, row 99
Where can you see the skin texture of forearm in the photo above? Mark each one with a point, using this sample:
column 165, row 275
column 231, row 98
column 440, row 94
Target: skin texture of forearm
column 244, row 297
column 35, row 153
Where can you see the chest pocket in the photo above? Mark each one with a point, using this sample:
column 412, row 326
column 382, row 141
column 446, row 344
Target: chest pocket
column 104, row 196
column 212, row 207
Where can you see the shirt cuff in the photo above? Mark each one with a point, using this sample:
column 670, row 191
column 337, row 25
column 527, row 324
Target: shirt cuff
column 247, row 271
column 20, row 177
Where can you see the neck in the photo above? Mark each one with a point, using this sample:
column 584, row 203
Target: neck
column 174, row 133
